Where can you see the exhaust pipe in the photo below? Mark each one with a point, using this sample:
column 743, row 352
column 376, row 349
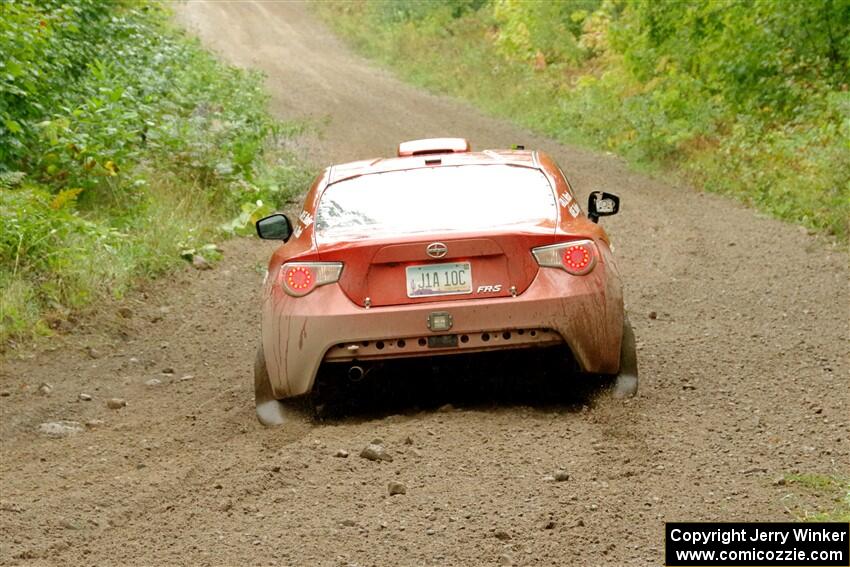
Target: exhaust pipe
column 356, row 373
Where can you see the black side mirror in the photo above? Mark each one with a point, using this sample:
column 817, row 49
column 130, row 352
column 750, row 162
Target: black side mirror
column 274, row 227
column 602, row 204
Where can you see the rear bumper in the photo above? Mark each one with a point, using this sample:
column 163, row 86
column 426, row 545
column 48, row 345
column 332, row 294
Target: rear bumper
column 585, row 312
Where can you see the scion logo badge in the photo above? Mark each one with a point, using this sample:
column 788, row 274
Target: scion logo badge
column 437, row 250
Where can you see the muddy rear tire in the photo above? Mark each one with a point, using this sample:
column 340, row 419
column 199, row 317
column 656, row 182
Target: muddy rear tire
column 270, row 410
column 626, row 382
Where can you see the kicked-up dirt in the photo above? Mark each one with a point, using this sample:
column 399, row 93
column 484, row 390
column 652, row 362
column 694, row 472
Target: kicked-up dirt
column 742, row 326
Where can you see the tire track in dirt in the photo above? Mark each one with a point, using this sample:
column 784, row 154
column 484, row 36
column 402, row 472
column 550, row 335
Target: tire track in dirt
column 744, row 378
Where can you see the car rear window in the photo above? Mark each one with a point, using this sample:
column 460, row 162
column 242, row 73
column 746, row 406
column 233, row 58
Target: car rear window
column 447, row 198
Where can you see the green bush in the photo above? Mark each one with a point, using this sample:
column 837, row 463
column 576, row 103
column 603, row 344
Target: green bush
column 122, row 143
column 542, row 32
column 746, row 97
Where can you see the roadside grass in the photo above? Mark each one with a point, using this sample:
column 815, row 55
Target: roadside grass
column 835, row 488
column 794, row 165
column 125, row 149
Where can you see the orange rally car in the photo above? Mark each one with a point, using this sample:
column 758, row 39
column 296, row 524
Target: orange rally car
column 440, row 250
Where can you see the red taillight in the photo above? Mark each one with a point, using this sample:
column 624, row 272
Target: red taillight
column 577, row 257
column 300, row 278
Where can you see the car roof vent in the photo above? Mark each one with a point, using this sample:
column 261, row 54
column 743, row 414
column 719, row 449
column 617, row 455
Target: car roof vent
column 433, row 146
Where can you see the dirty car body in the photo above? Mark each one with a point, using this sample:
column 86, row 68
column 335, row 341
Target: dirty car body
column 438, row 251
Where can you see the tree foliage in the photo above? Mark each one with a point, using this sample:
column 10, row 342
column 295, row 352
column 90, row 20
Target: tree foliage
column 748, row 97
column 121, row 143
column 758, row 56
column 541, row 30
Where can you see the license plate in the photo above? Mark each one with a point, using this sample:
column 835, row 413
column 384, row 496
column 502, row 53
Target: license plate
column 439, row 279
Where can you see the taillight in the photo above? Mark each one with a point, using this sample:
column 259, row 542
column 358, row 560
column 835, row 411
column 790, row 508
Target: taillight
column 300, row 278
column 577, row 257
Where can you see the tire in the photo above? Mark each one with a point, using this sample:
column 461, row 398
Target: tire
column 270, row 411
column 626, row 382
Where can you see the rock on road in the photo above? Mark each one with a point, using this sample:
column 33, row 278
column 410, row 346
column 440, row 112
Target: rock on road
column 744, row 379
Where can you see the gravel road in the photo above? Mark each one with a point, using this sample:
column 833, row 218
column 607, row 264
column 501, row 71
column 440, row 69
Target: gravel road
column 742, row 327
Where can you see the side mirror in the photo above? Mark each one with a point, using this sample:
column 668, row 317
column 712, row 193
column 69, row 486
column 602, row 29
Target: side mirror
column 601, row 204
column 274, row 227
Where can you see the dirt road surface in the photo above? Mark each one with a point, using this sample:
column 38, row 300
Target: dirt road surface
column 744, row 379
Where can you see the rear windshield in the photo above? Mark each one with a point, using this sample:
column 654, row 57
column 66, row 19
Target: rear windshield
column 446, row 198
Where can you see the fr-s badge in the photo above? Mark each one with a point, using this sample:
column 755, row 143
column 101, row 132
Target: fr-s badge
column 489, row 288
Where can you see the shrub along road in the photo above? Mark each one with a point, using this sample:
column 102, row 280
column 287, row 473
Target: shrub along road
column 744, row 380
